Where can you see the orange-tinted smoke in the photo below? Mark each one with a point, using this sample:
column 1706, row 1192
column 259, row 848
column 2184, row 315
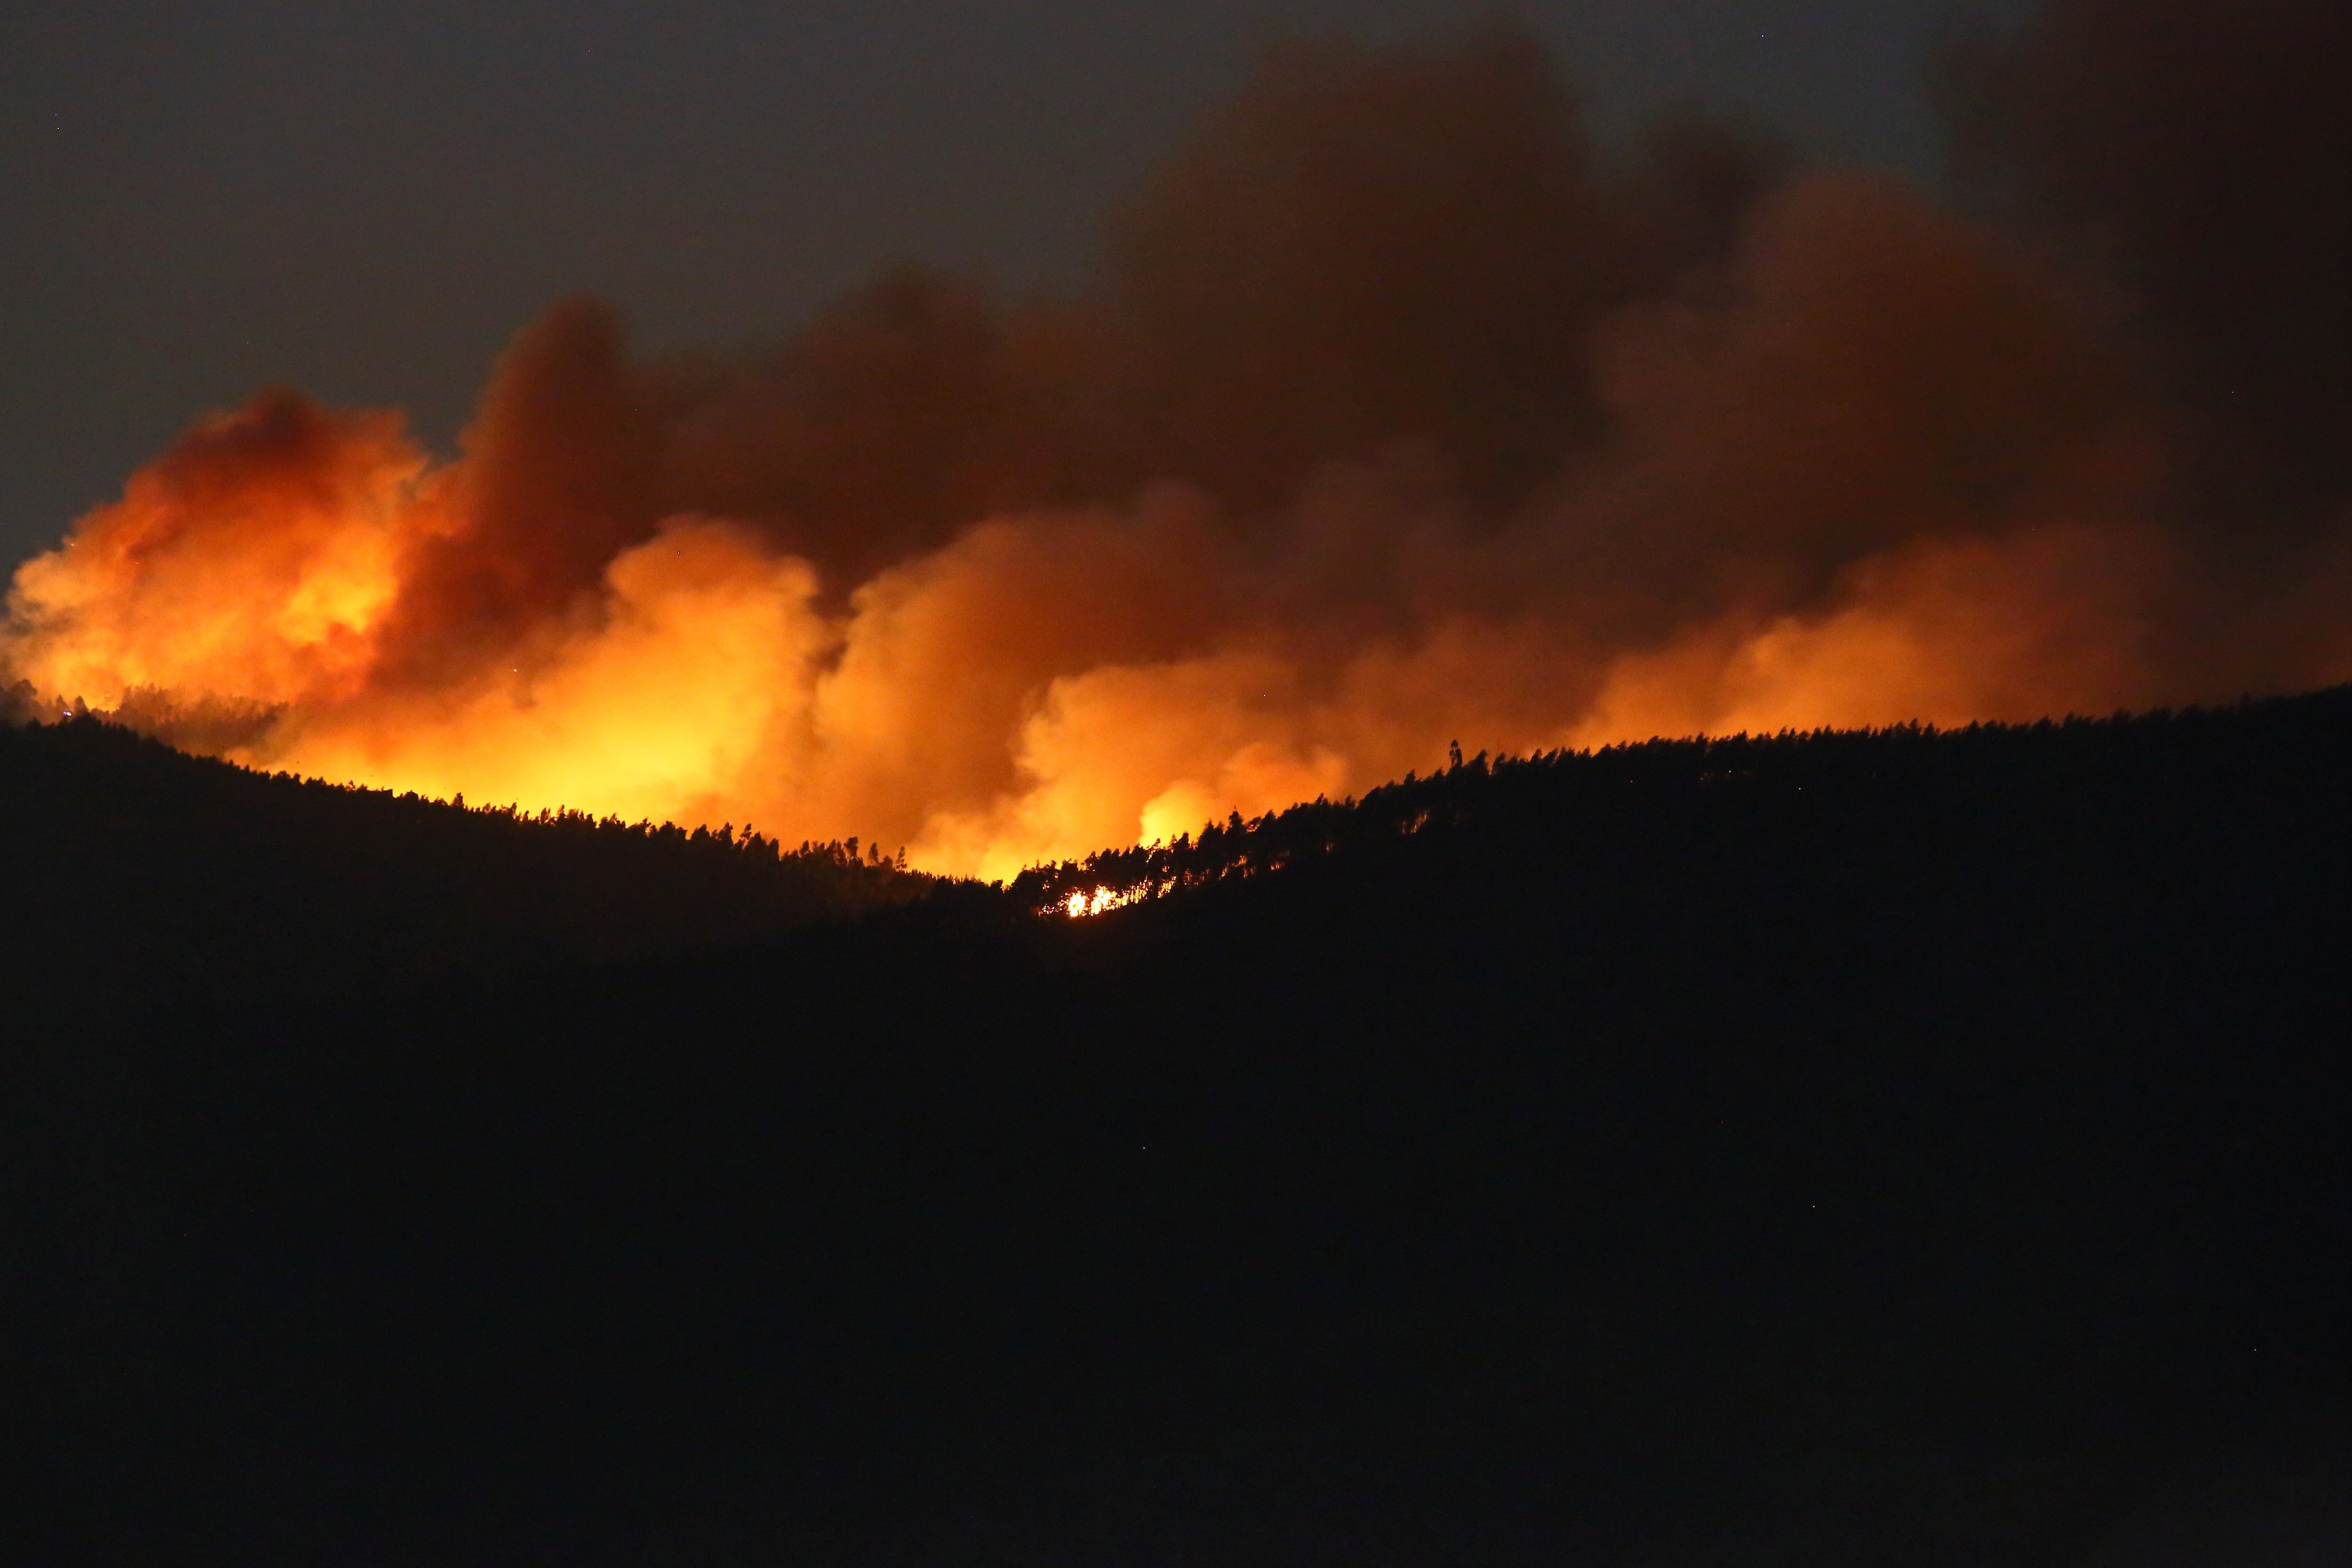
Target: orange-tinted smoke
column 1395, row 422
column 258, row 559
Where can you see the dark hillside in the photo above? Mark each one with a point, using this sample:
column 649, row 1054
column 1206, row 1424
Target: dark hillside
column 131, row 864
column 1848, row 1150
column 2002, row 780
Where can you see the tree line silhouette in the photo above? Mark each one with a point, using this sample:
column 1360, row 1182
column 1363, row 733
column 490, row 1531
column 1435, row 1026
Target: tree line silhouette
column 1539, row 796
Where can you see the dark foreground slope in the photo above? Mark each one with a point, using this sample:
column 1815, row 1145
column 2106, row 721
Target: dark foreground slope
column 1900, row 1150
column 127, row 864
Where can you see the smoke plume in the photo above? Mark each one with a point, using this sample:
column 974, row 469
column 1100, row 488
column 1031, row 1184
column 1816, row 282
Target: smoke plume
column 1397, row 418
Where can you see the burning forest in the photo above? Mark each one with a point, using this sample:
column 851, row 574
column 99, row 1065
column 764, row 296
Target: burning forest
column 1397, row 415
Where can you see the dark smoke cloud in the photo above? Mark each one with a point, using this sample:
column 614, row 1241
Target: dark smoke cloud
column 561, row 463
column 2201, row 150
column 1364, row 249
column 1367, row 249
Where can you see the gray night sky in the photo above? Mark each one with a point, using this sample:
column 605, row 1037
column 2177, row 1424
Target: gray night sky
column 365, row 199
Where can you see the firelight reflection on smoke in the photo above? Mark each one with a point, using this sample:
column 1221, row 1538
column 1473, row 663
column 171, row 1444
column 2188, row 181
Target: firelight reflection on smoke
column 1395, row 421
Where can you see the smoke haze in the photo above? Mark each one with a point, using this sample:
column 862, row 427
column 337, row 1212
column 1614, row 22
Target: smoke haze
column 1394, row 419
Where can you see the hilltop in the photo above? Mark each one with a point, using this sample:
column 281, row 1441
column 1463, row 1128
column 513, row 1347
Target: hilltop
column 1849, row 1147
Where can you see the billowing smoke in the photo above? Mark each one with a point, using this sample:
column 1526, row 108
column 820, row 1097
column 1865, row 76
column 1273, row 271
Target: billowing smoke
column 2198, row 154
column 1395, row 419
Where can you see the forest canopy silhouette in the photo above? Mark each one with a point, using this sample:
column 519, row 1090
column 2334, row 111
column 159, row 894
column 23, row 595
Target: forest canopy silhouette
column 1397, row 413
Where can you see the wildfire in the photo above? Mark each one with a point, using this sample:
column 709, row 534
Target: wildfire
column 1080, row 905
column 1375, row 491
